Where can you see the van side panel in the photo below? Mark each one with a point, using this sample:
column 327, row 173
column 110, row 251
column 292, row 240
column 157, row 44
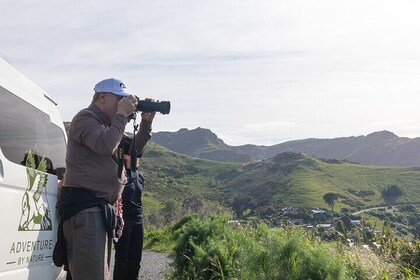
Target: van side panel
column 32, row 160
column 28, row 202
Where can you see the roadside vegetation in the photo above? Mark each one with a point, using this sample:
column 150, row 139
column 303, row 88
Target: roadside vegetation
column 216, row 248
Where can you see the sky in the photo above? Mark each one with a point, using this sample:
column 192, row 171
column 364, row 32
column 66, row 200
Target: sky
column 254, row 72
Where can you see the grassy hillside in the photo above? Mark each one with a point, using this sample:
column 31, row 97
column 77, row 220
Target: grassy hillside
column 170, row 175
column 287, row 179
column 301, row 181
column 265, row 187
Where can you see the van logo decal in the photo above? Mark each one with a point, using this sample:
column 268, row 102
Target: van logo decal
column 36, row 214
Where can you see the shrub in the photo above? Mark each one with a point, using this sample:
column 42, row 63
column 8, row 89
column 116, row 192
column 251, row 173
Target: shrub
column 203, row 250
column 181, row 222
column 289, row 255
column 391, row 193
column 213, row 250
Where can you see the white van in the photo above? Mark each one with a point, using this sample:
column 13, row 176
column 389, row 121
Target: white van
column 32, row 160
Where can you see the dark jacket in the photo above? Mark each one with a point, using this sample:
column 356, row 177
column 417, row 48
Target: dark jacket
column 131, row 198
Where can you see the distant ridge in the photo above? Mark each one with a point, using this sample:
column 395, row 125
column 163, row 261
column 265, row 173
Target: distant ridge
column 201, row 143
column 381, row 148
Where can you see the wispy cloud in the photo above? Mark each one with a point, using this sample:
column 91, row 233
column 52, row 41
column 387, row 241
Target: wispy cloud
column 253, row 71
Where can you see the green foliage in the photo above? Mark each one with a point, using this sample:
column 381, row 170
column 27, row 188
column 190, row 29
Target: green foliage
column 169, row 209
column 268, row 185
column 159, row 240
column 182, row 221
column 296, row 180
column 342, row 227
column 392, row 190
column 405, row 254
column 176, row 184
column 391, row 193
column 290, row 255
column 203, row 250
column 330, row 199
column 213, row 250
column 242, row 202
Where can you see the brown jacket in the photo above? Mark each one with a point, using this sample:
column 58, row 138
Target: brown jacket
column 92, row 141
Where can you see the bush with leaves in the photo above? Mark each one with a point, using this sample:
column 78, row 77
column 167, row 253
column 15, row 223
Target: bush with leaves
column 204, row 250
column 213, row 250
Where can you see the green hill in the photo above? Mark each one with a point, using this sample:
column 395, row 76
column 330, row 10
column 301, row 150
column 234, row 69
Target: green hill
column 169, row 175
column 288, row 179
column 201, row 143
column 291, row 179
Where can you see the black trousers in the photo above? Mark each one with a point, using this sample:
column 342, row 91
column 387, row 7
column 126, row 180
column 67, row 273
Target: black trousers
column 128, row 251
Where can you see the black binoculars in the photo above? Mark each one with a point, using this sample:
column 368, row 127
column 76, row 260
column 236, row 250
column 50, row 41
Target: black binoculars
column 162, row 107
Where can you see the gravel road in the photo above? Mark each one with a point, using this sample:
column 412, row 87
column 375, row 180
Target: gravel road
column 154, row 266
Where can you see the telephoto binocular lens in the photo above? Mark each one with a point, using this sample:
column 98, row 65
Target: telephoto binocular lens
column 162, row 107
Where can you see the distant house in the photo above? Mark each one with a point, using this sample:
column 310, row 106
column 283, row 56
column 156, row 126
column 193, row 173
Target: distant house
column 287, row 209
column 318, row 211
column 234, row 223
column 324, row 226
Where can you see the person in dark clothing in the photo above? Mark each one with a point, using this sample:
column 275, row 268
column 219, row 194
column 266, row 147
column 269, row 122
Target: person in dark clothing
column 128, row 249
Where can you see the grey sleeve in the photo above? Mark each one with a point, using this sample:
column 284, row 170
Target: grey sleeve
column 89, row 131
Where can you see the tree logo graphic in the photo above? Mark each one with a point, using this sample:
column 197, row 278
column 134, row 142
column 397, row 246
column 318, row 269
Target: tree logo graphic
column 36, row 215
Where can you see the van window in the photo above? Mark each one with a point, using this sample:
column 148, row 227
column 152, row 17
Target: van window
column 25, row 128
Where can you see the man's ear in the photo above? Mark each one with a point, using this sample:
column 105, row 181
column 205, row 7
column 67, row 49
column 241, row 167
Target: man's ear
column 101, row 97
